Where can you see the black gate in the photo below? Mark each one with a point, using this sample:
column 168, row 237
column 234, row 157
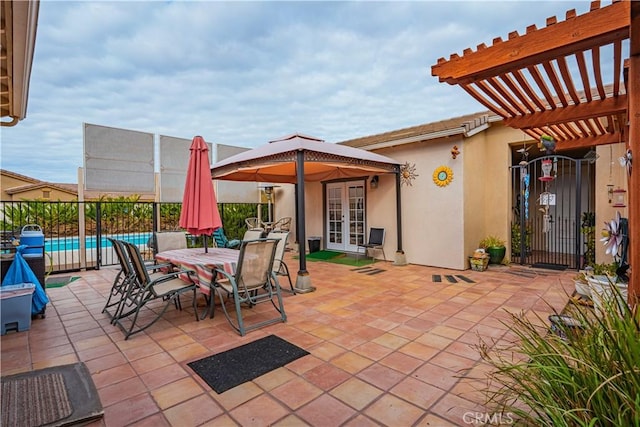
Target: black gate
column 553, row 211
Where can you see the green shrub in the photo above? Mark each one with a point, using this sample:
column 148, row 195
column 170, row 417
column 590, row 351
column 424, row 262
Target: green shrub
column 592, row 378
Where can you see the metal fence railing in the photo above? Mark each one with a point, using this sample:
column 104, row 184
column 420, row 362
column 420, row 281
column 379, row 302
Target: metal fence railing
column 75, row 233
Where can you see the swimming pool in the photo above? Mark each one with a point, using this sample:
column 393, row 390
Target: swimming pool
column 73, row 243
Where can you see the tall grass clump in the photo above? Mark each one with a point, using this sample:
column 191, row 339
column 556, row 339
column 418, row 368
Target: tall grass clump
column 589, row 378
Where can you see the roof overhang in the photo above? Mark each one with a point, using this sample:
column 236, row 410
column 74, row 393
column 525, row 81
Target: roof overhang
column 18, row 37
column 550, row 80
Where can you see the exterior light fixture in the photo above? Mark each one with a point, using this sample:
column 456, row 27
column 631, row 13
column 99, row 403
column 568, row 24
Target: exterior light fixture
column 374, row 181
column 619, row 198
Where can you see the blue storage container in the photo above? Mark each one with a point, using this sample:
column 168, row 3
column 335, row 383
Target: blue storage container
column 32, row 236
column 15, row 307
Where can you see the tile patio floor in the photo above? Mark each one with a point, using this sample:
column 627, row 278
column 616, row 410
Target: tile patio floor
column 393, row 349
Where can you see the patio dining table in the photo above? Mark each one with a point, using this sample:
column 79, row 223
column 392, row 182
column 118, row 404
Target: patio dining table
column 202, row 262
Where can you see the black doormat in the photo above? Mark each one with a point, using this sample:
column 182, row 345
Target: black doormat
column 226, row 370
column 57, row 396
column 559, row 267
column 465, row 278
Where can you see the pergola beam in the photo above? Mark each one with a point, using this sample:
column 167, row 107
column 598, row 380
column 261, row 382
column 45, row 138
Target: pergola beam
column 605, row 107
column 598, row 27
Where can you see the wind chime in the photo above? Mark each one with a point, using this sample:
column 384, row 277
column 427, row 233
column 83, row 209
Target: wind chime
column 549, row 173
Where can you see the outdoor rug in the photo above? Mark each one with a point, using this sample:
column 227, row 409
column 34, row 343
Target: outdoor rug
column 548, row 266
column 57, row 396
column 338, row 258
column 323, row 255
column 59, row 281
column 226, row 370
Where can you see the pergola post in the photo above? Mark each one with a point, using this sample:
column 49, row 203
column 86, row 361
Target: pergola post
column 634, row 145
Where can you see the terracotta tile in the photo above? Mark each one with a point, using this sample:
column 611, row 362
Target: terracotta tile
column 99, row 351
column 456, row 410
column 391, row 340
column 417, row 392
column 237, row 395
column 155, row 420
column 106, row 362
column 176, row 392
column 296, row 393
column 261, row 411
column 452, row 362
column 392, row 411
column 165, row 375
column 436, row 375
column 121, row 391
column 140, row 352
column 351, row 362
column 326, row 411
column 194, row 411
column 129, row 411
column 55, row 361
column 381, row 376
column 419, row 351
column 372, row 350
column 326, row 376
column 151, row 363
column 356, row 393
column 290, row 421
column 221, row 421
column 326, row 350
column 273, row 379
column 304, row 364
column 361, row 421
column 401, row 362
column 430, row 420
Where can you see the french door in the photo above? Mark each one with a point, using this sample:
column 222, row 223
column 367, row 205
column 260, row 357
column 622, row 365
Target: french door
column 345, row 227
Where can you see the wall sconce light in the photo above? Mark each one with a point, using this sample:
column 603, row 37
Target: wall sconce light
column 619, row 198
column 610, row 192
column 374, row 181
column 454, row 152
column 268, row 191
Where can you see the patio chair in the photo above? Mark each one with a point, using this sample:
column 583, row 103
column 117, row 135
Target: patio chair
column 124, row 278
column 168, row 240
column 254, row 282
column 253, row 234
column 253, row 223
column 283, row 224
column 376, row 241
column 279, row 266
column 145, row 288
column 221, row 240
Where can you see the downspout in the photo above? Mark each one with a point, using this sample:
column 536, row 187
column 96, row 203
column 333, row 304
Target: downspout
column 400, row 257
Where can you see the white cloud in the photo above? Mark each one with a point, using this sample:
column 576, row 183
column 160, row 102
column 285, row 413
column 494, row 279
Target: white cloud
column 243, row 73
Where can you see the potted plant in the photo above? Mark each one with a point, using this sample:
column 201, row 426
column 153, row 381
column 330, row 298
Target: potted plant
column 495, row 247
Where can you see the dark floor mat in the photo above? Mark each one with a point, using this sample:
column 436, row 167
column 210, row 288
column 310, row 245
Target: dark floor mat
column 56, row 396
column 522, row 274
column 226, row 370
column 548, row 266
column 375, row 271
column 436, row 278
column 450, row 278
column 464, row 278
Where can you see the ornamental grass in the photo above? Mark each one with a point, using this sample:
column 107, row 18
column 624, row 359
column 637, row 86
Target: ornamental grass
column 588, row 377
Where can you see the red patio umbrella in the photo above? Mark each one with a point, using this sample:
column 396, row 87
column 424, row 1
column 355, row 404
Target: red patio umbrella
column 199, row 213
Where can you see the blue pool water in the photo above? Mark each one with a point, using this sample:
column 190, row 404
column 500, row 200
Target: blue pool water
column 71, row 243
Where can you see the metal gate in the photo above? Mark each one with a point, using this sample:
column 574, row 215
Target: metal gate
column 553, row 211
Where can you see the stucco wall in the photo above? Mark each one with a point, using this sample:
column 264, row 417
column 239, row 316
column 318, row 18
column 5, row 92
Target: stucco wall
column 608, row 171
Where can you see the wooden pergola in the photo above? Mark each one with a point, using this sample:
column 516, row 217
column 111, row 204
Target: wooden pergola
column 551, row 81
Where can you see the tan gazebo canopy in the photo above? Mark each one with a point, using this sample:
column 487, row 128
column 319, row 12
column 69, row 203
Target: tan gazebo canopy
column 551, row 81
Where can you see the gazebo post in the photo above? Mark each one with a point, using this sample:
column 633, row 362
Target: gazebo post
column 400, row 258
column 303, row 281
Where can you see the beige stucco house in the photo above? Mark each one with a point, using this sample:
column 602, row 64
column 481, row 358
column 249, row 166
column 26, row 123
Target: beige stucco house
column 444, row 221
column 16, row 187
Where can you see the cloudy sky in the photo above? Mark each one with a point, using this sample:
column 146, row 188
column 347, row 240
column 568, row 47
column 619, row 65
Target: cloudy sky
column 244, row 73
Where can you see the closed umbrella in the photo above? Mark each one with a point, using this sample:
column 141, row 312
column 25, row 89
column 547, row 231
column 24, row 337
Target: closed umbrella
column 199, row 213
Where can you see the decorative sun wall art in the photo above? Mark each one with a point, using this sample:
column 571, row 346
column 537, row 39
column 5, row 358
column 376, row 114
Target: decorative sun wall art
column 407, row 173
column 442, row 176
